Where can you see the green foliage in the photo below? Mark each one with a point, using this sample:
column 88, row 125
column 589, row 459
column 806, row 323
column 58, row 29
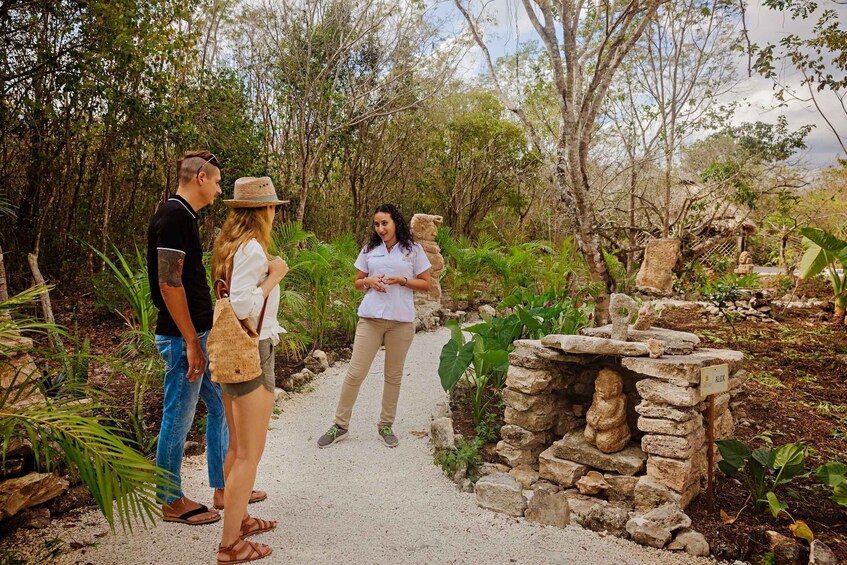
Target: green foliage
column 834, row 475
column 482, row 270
column 484, row 359
column 692, row 278
column 763, row 470
column 464, row 454
column 825, row 251
column 62, row 429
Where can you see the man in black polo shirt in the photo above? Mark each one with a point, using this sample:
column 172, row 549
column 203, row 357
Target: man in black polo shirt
column 180, row 292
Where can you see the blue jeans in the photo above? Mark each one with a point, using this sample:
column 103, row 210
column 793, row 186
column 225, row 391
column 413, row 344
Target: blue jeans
column 180, row 403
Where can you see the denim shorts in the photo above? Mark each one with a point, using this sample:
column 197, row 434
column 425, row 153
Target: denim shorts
column 266, row 379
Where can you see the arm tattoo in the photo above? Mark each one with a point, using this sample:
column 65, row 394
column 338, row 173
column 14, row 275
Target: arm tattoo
column 170, row 267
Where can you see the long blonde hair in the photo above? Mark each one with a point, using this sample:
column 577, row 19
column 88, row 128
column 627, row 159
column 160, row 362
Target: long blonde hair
column 242, row 225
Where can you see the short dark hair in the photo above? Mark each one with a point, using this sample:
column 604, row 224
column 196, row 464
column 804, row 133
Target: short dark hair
column 193, row 162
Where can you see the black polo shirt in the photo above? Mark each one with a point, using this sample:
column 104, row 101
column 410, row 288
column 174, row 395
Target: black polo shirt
column 174, row 226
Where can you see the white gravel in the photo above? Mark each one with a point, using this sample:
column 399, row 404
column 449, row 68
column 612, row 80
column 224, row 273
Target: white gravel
column 356, row 502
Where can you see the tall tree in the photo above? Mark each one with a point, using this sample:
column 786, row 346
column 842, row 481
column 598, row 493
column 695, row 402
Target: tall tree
column 595, row 39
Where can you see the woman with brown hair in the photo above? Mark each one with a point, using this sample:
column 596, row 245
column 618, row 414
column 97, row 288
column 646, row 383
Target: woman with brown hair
column 241, row 257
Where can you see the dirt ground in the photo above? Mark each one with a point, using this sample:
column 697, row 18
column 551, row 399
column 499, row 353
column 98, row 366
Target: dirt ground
column 797, row 393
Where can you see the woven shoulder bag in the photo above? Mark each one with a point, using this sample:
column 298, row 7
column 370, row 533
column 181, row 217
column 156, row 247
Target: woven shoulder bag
column 233, row 344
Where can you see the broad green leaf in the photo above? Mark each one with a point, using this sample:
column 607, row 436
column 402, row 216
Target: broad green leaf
column 455, row 331
column 774, row 504
column 734, row 453
column 453, row 362
column 832, row 474
column 822, row 249
column 839, row 494
column 789, row 460
column 764, row 456
column 531, row 324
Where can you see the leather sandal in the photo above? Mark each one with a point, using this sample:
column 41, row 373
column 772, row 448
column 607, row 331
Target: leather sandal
column 255, row 496
column 251, row 526
column 256, row 551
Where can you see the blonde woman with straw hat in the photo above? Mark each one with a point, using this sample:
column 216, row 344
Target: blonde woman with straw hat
column 241, row 257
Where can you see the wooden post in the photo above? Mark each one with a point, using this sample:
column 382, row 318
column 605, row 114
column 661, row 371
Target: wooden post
column 4, row 287
column 46, row 306
column 710, row 453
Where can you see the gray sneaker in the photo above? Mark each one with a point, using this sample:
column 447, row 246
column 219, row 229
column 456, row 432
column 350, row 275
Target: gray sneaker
column 332, row 435
column 388, row 436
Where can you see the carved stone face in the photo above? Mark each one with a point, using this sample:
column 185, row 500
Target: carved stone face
column 609, row 384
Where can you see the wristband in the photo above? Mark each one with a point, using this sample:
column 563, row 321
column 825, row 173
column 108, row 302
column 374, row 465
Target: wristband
column 405, row 280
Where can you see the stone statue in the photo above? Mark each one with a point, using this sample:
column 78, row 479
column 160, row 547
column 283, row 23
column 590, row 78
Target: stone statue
column 621, row 308
column 606, row 418
column 646, row 317
column 424, row 227
column 745, row 264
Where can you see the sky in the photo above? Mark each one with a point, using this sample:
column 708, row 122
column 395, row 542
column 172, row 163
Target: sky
column 756, row 94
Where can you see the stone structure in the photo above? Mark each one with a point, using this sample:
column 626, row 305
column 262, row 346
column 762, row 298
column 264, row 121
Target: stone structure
column 428, row 305
column 656, row 272
column 605, row 426
column 745, row 264
column 20, row 486
column 621, row 309
column 562, row 391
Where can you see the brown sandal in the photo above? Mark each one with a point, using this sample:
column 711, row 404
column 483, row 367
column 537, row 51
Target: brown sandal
column 257, row 551
column 251, row 526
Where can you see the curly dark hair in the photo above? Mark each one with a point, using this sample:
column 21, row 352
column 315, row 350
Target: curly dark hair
column 404, row 234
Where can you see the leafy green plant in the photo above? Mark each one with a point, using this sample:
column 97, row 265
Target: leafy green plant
column 134, row 287
column 484, row 359
column 834, row 475
column 762, row 470
column 464, row 454
column 63, row 430
column 824, row 251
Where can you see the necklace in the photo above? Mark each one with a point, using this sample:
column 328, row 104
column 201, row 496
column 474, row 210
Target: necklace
column 390, row 247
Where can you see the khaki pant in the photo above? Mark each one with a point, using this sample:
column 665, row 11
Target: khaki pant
column 370, row 335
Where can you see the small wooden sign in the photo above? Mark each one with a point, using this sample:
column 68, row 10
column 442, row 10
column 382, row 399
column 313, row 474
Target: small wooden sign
column 714, row 379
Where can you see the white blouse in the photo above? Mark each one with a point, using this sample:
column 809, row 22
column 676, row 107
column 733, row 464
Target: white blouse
column 398, row 302
column 249, row 270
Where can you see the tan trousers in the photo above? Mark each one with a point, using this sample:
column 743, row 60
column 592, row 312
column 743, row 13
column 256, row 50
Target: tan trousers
column 370, row 335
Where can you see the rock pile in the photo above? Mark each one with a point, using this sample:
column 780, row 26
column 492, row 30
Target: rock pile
column 613, row 435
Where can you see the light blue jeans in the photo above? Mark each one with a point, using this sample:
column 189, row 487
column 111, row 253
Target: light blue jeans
column 180, row 403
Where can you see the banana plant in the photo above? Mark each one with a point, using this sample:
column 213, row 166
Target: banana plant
column 825, row 251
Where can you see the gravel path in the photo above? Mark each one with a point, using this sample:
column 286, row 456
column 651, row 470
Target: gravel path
column 357, row 502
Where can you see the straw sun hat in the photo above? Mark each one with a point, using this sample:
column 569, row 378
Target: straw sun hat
column 252, row 192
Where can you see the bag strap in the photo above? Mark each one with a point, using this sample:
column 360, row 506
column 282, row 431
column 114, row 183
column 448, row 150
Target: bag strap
column 225, row 294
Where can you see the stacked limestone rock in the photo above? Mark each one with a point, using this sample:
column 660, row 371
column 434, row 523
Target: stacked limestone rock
column 21, row 488
column 428, row 305
column 594, row 473
column 672, row 417
column 536, row 409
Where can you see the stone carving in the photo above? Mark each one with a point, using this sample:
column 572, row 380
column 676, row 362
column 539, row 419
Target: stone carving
column 647, row 315
column 621, row 308
column 656, row 272
column 606, row 419
column 424, row 228
column 745, row 264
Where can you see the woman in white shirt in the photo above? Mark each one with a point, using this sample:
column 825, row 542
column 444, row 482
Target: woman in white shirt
column 241, row 256
column 390, row 268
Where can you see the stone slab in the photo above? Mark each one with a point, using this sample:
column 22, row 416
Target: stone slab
column 677, row 447
column 530, row 381
column 548, row 508
column 684, row 369
column 500, row 492
column 649, row 409
column 663, row 392
column 595, row 345
column 675, row 342
column 531, row 354
column 523, row 438
column 561, row 471
column 668, row 427
column 574, row 447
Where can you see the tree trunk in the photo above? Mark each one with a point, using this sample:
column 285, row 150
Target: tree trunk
column 46, row 306
column 4, row 288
